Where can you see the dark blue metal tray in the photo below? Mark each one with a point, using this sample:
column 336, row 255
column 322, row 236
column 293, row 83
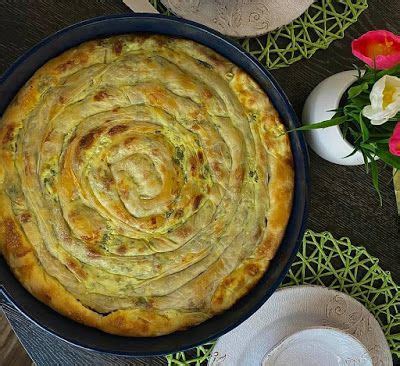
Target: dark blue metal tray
column 86, row 337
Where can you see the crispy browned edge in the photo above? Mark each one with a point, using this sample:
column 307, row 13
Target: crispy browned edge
column 19, row 252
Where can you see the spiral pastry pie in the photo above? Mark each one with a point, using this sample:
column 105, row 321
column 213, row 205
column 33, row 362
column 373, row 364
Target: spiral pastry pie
column 145, row 184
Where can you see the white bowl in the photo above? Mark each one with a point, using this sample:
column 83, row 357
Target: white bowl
column 318, row 346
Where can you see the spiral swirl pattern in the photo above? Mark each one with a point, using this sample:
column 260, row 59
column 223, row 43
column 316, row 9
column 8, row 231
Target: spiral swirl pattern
column 146, row 184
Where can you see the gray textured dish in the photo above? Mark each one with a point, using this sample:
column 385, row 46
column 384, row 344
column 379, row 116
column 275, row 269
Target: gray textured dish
column 240, row 18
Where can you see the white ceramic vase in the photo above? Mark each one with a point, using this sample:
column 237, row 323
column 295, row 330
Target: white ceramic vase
column 329, row 142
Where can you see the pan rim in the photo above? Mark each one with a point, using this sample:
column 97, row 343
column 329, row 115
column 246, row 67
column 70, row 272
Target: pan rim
column 301, row 200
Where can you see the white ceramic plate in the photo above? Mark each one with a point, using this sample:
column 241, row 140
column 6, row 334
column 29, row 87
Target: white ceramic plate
column 240, row 18
column 291, row 310
column 318, row 346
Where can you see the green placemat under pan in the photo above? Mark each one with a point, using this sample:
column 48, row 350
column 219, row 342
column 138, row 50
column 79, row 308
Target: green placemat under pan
column 324, row 22
column 340, row 265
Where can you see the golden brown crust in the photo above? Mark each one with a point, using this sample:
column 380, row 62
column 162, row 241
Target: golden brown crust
column 84, row 235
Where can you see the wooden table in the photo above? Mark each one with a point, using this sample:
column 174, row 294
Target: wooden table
column 342, row 200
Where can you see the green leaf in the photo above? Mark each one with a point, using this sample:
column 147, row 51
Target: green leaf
column 393, row 71
column 352, row 153
column 380, row 135
column 329, row 123
column 355, row 116
column 369, row 76
column 389, row 158
column 366, row 161
column 368, row 147
column 360, row 101
column 345, row 130
column 364, row 129
column 336, row 110
column 357, row 90
column 375, row 176
column 384, row 141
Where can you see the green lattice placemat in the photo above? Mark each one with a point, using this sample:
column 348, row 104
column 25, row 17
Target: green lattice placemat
column 338, row 264
column 324, row 22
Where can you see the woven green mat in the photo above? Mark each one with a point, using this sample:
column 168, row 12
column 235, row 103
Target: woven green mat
column 340, row 265
column 324, row 22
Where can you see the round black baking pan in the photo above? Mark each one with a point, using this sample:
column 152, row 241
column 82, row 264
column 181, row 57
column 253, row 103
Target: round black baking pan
column 17, row 75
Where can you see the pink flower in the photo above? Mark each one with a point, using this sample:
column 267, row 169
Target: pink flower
column 394, row 142
column 379, row 49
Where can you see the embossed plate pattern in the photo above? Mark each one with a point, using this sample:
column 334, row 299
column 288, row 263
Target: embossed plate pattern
column 240, row 18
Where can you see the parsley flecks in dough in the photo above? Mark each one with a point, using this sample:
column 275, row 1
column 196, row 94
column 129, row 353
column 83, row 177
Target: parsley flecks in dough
column 253, row 174
column 205, row 64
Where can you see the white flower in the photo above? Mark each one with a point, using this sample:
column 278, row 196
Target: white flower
column 385, row 100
